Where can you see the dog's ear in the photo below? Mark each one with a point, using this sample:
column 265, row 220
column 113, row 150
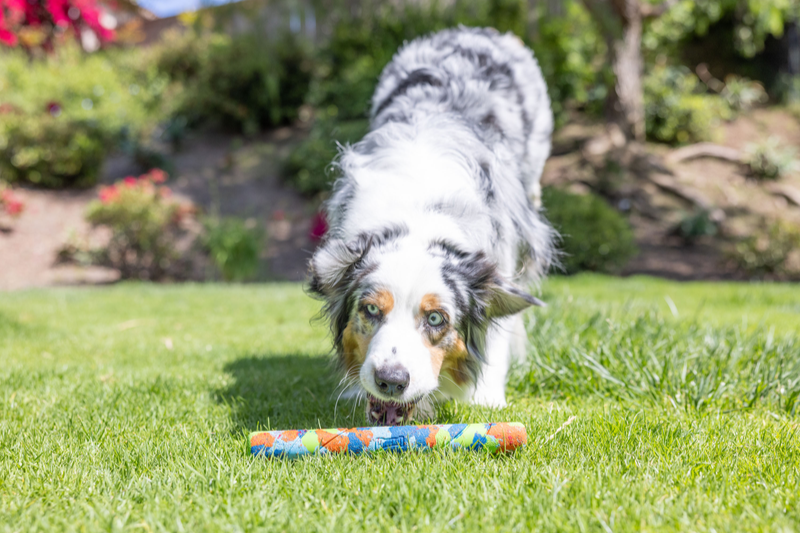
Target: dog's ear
column 505, row 299
column 495, row 297
column 333, row 264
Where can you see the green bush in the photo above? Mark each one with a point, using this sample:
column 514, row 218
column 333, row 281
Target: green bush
column 677, row 107
column 694, row 226
column 234, row 245
column 145, row 227
column 571, row 53
column 307, row 168
column 769, row 160
column 61, row 114
column 245, row 82
column 50, row 151
column 769, row 250
column 594, row 236
column 348, row 66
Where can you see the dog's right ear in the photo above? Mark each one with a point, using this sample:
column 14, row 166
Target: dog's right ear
column 334, row 264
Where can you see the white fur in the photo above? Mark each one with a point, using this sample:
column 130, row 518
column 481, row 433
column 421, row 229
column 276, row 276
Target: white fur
column 455, row 157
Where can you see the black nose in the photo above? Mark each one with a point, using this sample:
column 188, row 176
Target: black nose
column 392, row 381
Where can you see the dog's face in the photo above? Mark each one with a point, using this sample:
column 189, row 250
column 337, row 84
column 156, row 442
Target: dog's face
column 408, row 316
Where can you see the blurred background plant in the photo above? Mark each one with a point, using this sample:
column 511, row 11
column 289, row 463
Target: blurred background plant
column 694, row 226
column 772, row 250
column 235, row 246
column 62, row 113
column 301, row 74
column 10, row 204
column 146, row 225
column 594, row 236
column 679, row 109
column 770, row 160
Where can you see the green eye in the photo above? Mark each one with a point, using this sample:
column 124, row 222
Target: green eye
column 435, row 319
column 373, row 310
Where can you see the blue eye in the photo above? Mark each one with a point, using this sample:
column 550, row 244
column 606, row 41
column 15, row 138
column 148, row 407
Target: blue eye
column 435, row 319
column 373, row 310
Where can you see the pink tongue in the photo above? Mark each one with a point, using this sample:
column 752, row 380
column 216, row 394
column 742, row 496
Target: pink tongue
column 391, row 414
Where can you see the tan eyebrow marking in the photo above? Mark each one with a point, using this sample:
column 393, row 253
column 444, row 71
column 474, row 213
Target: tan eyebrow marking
column 430, row 302
column 383, row 299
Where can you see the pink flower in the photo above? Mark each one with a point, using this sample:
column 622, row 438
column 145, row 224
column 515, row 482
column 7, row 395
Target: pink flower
column 319, row 227
column 11, row 203
column 130, row 181
column 157, row 175
column 108, row 194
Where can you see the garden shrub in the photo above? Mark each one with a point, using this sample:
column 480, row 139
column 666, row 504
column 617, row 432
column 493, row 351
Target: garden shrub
column 246, row 82
column 572, row 53
column 348, row 66
column 145, row 224
column 769, row 251
column 769, row 160
column 234, row 246
column 50, row 151
column 61, row 114
column 678, row 109
column 308, row 166
column 694, row 226
column 593, row 235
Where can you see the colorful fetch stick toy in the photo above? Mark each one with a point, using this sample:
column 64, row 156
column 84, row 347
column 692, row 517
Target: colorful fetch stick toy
column 291, row 444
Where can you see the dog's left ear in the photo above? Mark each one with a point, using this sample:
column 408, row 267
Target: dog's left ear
column 505, row 299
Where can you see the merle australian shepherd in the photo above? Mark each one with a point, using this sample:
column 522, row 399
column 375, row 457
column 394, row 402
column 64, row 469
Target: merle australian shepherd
column 434, row 225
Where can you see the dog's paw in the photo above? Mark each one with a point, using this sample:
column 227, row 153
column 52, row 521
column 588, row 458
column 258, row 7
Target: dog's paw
column 488, row 398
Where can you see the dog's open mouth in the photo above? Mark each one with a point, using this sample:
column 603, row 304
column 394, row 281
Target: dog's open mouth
column 383, row 413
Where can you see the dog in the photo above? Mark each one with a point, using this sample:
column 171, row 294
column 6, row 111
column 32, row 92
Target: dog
column 433, row 219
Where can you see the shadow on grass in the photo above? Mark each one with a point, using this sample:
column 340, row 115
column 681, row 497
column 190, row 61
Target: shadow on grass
column 286, row 392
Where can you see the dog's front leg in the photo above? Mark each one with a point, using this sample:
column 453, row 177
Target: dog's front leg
column 490, row 389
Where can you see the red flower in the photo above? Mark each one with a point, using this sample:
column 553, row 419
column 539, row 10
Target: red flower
column 54, row 108
column 130, row 181
column 108, row 194
column 157, row 175
column 11, row 203
column 319, row 227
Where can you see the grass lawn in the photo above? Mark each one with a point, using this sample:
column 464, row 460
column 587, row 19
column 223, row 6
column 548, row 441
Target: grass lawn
column 127, row 408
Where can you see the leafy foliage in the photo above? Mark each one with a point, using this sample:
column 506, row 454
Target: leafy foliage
column 769, row 251
column 246, row 82
column 145, row 226
column 308, row 166
column 61, row 114
column 694, row 226
column 594, row 236
column 234, row 245
column 51, row 152
column 571, row 54
column 678, row 109
column 769, row 160
column 348, row 66
column 754, row 22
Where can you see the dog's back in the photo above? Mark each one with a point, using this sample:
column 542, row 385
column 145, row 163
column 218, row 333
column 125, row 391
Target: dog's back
column 490, row 80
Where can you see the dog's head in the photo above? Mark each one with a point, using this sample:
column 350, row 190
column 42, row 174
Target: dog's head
column 408, row 314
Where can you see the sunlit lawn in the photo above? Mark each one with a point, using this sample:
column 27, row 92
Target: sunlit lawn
column 127, row 408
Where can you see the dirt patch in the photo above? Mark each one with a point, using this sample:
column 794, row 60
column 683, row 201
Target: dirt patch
column 221, row 174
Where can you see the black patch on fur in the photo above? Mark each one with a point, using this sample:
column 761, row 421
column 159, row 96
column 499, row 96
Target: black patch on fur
column 415, row 78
